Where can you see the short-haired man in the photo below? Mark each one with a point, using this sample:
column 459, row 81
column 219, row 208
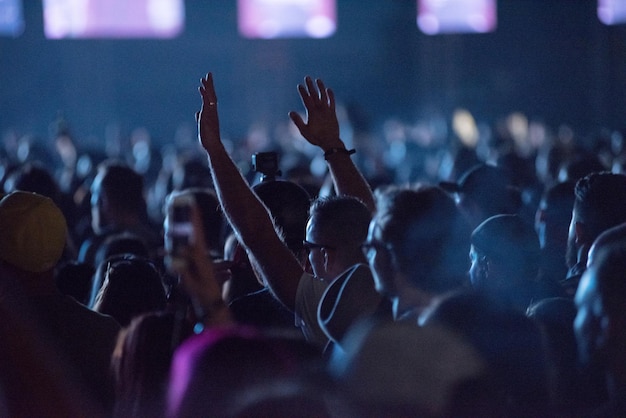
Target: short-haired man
column 417, row 248
column 117, row 205
column 600, row 204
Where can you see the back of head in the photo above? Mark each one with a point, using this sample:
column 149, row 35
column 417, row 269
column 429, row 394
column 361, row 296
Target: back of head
column 400, row 369
column 123, row 187
column 489, row 189
column 558, row 199
column 33, row 232
column 213, row 371
column 141, row 363
column 288, row 204
column 511, row 242
column 580, row 166
column 132, row 286
column 192, row 173
column 122, row 243
column 510, row 343
column 428, row 238
column 34, row 177
column 600, row 202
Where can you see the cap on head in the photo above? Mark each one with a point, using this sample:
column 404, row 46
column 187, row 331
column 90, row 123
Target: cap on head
column 478, row 180
column 504, row 237
column 33, row 231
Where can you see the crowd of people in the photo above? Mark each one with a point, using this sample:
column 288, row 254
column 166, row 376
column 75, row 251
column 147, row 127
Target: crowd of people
column 189, row 289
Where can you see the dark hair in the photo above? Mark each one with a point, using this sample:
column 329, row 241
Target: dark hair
column 343, row 217
column 123, row 187
column 559, row 198
column 428, row 238
column 133, row 287
column 192, row 173
column 141, row 363
column 511, row 344
column 34, row 177
column 120, row 243
column 510, row 241
column 600, row 201
column 213, row 371
column 74, row 279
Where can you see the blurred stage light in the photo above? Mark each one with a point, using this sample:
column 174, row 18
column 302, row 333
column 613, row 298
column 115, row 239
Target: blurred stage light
column 11, row 18
column 612, row 12
column 456, row 16
column 113, row 18
column 465, row 128
column 267, row 19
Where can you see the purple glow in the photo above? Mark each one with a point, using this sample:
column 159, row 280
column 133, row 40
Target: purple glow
column 11, row 18
column 267, row 19
column 456, row 16
column 113, row 18
column 612, row 12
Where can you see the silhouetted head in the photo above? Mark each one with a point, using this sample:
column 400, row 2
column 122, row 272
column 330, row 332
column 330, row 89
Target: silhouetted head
column 417, row 242
column 335, row 231
column 484, row 191
column 131, row 286
column 116, row 196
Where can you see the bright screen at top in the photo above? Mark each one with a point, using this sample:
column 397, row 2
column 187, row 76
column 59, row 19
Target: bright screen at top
column 113, row 18
column 456, row 16
column 267, row 19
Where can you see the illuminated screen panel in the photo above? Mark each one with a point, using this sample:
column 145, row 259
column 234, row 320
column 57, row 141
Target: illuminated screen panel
column 612, row 12
column 11, row 18
column 267, row 19
column 113, row 18
column 456, row 16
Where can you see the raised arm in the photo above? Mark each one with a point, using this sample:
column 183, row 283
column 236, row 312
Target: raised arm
column 322, row 130
column 247, row 215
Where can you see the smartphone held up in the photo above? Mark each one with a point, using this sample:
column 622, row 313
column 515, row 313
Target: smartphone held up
column 178, row 230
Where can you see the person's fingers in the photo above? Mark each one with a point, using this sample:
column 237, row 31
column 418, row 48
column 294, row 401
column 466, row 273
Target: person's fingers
column 297, row 120
column 311, row 87
column 207, row 89
column 323, row 92
column 305, row 96
column 331, row 99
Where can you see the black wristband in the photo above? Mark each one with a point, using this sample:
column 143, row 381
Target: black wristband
column 332, row 151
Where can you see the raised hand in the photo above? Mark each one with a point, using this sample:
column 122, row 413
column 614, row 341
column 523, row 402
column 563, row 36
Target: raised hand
column 207, row 118
column 322, row 126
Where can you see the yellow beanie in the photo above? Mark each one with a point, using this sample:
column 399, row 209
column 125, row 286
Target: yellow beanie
column 32, row 231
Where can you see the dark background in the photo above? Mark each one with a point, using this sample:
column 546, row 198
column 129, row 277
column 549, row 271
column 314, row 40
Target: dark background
column 551, row 59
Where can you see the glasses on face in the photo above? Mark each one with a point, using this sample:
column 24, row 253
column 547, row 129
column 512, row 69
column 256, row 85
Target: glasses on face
column 369, row 247
column 309, row 246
